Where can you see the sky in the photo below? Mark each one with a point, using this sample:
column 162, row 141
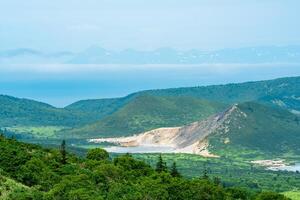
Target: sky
column 147, row 24
column 74, row 25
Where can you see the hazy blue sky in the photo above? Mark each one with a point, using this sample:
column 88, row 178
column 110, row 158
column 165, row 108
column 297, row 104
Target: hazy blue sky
column 147, row 24
column 57, row 25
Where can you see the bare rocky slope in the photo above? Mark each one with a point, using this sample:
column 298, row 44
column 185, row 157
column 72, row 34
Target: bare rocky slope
column 248, row 125
column 187, row 139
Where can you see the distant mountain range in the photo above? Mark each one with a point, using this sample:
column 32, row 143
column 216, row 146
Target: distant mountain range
column 31, row 56
column 98, row 55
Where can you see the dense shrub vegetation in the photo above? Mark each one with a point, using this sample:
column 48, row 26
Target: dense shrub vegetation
column 31, row 172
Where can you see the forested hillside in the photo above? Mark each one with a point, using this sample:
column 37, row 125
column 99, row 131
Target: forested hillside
column 189, row 104
column 16, row 111
column 239, row 92
column 144, row 110
column 55, row 174
column 271, row 132
column 99, row 107
column 147, row 112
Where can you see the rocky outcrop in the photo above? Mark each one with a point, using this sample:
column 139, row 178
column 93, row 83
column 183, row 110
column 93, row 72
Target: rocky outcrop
column 187, row 139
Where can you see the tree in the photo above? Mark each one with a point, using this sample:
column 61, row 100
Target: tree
column 161, row 166
column 36, row 172
column 205, row 173
column 42, row 176
column 174, row 171
column 239, row 193
column 76, row 187
column 97, row 154
column 133, row 167
column 63, row 152
column 217, row 181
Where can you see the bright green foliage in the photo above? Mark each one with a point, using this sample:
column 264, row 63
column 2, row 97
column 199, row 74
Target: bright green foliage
column 133, row 167
column 239, row 193
column 41, row 176
column 294, row 195
column 231, row 171
column 13, row 156
column 36, row 172
column 197, row 190
column 97, row 154
column 36, row 131
column 11, row 190
column 270, row 196
column 75, row 187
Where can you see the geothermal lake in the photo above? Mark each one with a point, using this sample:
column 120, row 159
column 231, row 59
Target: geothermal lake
column 291, row 168
column 140, row 149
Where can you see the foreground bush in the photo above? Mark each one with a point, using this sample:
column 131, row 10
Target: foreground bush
column 40, row 174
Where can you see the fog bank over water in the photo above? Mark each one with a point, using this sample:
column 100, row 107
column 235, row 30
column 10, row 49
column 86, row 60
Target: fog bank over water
column 62, row 84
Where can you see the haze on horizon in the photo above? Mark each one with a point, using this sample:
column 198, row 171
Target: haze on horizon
column 64, row 86
column 74, row 25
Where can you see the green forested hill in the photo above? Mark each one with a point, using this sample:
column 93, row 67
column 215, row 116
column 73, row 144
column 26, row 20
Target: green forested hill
column 260, row 128
column 291, row 103
column 239, row 92
column 99, row 107
column 33, row 173
column 229, row 93
column 157, row 112
column 15, row 111
column 147, row 112
column 147, row 109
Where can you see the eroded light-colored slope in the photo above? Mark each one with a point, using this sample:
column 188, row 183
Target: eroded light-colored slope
column 186, row 139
